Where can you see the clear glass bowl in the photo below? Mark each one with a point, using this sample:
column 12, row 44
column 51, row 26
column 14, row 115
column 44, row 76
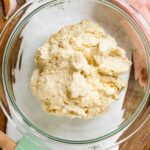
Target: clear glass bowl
column 30, row 27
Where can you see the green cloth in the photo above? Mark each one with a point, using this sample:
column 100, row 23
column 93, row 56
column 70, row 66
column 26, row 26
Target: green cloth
column 26, row 144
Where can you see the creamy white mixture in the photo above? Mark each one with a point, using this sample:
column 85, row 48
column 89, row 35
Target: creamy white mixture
column 78, row 71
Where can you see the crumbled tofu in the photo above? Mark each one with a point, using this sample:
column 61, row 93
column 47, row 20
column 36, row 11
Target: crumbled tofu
column 112, row 65
column 107, row 44
column 78, row 71
column 80, row 63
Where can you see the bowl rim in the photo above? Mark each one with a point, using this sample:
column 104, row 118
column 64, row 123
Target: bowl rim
column 31, row 127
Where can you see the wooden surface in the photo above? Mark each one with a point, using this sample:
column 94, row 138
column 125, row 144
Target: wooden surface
column 140, row 141
column 3, row 119
column 6, row 143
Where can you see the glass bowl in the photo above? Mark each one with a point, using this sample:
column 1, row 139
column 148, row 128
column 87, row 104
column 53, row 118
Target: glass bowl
column 29, row 28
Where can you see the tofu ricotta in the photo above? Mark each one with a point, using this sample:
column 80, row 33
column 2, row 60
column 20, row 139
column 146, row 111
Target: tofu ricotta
column 78, row 71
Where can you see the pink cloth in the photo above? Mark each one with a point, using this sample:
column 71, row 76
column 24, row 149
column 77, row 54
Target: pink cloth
column 143, row 6
column 141, row 70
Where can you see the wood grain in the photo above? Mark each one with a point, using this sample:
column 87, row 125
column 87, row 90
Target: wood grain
column 140, row 141
column 6, row 143
column 3, row 119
